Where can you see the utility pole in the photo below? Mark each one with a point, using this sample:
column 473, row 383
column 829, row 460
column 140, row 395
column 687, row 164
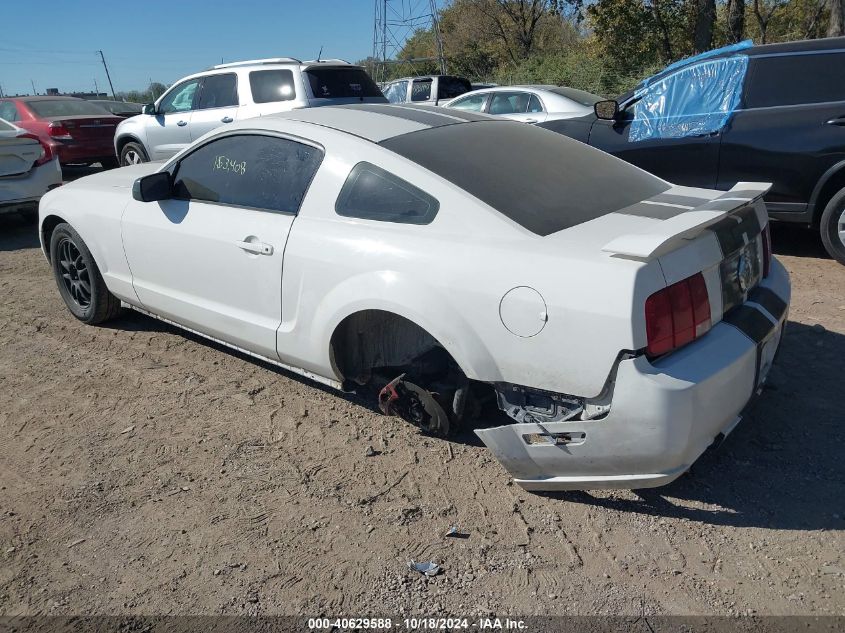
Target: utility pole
column 102, row 57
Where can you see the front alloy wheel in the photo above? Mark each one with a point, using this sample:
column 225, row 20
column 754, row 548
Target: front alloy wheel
column 75, row 273
column 80, row 283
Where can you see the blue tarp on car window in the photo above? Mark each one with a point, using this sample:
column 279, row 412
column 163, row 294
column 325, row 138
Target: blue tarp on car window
column 697, row 99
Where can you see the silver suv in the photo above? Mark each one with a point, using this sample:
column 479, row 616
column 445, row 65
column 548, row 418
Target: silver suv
column 228, row 92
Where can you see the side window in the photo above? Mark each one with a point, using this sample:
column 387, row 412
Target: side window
column 181, row 98
column 509, row 103
column 451, row 87
column 372, row 193
column 271, row 85
column 219, row 91
column 396, row 92
column 695, row 100
column 9, row 112
column 534, row 104
column 794, row 79
column 473, row 102
column 249, row 170
column 421, row 90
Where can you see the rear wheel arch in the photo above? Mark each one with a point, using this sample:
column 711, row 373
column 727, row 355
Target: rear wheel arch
column 370, row 339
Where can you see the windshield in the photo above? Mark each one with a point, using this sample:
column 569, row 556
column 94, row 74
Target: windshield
column 341, row 82
column 579, row 96
column 65, row 107
column 544, row 181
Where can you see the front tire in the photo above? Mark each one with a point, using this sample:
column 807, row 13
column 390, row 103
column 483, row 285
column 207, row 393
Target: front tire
column 133, row 154
column 79, row 280
column 833, row 227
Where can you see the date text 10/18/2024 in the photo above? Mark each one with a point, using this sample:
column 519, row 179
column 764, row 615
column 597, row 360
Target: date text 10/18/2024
column 417, row 624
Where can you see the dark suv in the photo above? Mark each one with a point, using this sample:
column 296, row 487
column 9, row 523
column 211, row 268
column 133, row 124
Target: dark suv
column 772, row 113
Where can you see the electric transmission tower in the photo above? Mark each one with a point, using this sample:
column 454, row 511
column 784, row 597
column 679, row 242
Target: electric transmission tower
column 395, row 22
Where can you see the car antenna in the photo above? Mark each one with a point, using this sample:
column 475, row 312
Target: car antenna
column 320, row 54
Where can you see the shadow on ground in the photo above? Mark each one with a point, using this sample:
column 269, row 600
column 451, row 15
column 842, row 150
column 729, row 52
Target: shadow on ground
column 797, row 241
column 18, row 231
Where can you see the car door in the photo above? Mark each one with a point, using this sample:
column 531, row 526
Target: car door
column 217, row 104
column 169, row 130
column 210, row 258
column 667, row 116
column 791, row 129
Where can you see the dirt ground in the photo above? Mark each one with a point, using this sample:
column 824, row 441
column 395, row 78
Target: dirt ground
column 143, row 471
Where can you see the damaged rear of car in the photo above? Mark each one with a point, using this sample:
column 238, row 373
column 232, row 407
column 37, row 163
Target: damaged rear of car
column 636, row 326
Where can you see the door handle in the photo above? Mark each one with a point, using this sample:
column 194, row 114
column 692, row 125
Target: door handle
column 259, row 248
column 182, row 123
column 836, row 121
column 227, row 119
column 530, row 120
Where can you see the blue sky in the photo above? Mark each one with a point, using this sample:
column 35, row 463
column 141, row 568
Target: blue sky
column 163, row 41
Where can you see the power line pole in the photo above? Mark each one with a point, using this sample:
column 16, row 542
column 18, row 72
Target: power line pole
column 102, row 57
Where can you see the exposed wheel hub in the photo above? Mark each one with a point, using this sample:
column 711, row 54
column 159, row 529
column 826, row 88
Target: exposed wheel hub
column 415, row 405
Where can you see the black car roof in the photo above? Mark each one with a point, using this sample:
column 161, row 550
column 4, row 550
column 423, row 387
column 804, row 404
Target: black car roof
column 802, row 46
column 761, row 50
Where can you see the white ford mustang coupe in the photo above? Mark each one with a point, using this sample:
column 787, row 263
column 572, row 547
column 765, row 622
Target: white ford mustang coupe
column 597, row 327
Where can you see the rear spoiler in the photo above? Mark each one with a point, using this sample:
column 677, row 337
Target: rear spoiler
column 664, row 236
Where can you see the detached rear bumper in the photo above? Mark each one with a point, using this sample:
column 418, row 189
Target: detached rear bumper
column 663, row 414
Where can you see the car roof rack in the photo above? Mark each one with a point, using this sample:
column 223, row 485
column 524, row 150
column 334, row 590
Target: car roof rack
column 327, row 61
column 270, row 60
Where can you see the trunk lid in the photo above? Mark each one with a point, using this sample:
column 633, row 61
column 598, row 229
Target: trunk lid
column 88, row 127
column 18, row 153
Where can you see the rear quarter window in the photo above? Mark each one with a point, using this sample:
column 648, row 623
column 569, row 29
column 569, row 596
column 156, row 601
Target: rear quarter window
column 451, row 87
column 371, row 193
column 341, row 83
column 272, row 85
column 796, row 79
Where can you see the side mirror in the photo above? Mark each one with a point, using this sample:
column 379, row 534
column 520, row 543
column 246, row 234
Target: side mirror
column 606, row 110
column 157, row 186
column 149, row 108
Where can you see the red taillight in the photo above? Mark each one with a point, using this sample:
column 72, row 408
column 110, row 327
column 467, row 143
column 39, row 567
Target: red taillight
column 767, row 250
column 46, row 152
column 677, row 315
column 58, row 130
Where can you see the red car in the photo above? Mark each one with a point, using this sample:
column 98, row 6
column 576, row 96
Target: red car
column 76, row 130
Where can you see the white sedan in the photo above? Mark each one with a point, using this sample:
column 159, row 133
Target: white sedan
column 529, row 104
column 28, row 169
column 594, row 325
